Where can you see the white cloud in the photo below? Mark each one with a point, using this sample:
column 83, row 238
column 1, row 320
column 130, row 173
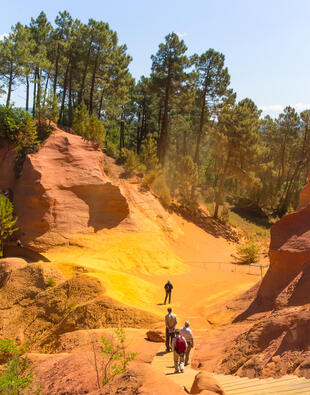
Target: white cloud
column 181, row 35
column 3, row 36
column 272, row 108
column 276, row 109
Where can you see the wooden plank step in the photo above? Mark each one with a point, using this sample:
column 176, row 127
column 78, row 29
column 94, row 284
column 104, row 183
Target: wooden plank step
column 263, row 387
column 298, row 385
column 253, row 382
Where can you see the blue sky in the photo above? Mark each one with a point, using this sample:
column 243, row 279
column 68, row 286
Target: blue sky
column 266, row 43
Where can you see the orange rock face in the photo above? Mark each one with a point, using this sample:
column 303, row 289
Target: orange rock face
column 278, row 343
column 62, row 190
column 289, row 252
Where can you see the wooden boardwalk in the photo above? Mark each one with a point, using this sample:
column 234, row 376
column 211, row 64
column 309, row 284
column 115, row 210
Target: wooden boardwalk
column 233, row 385
column 286, row 385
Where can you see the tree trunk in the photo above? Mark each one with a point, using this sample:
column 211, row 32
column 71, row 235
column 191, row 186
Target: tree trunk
column 200, row 131
column 290, row 188
column 221, row 187
column 46, row 86
column 100, row 104
column 38, row 104
column 122, row 135
column 34, row 95
column 70, row 98
column 159, row 118
column 27, row 92
column 185, row 143
column 163, row 138
column 92, row 89
column 62, row 108
column 81, row 92
column 56, row 71
column 10, row 87
column 139, row 134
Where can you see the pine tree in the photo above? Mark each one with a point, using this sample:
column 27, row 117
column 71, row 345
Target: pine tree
column 168, row 74
column 212, row 80
column 148, row 154
column 237, row 137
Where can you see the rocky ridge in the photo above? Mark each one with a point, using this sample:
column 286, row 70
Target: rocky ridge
column 278, row 342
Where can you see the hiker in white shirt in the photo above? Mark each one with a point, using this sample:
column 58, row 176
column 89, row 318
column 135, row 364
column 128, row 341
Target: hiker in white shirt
column 188, row 335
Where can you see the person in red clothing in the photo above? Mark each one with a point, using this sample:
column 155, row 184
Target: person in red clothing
column 179, row 346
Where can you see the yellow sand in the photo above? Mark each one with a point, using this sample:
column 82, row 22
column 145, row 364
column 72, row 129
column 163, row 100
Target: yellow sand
column 117, row 259
column 133, row 267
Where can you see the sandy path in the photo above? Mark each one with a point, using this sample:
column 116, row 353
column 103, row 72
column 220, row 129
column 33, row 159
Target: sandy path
column 164, row 363
column 211, row 278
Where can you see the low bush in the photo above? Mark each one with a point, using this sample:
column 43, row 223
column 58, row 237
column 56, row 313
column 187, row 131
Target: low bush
column 51, row 283
column 7, row 221
column 16, row 375
column 132, row 164
column 112, row 149
column 248, row 252
column 160, row 188
column 115, row 358
column 122, row 156
column 19, row 128
column 149, row 178
column 88, row 126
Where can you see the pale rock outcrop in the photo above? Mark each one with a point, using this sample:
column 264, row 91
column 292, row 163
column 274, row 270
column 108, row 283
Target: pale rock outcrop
column 62, row 190
column 155, row 336
column 205, row 382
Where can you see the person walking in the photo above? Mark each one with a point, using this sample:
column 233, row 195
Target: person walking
column 179, row 347
column 171, row 322
column 189, row 337
column 168, row 288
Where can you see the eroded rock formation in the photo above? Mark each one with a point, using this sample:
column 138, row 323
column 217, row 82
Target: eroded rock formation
column 62, row 190
column 37, row 303
column 278, row 343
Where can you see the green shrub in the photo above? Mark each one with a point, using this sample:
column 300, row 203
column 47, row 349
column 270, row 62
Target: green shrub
column 132, row 164
column 149, row 178
column 51, row 283
column 159, row 187
column 88, row 126
column 115, row 358
column 17, row 374
column 112, row 149
column 7, row 221
column 7, row 350
column 11, row 120
column 148, row 154
column 19, row 128
column 248, row 252
column 122, row 156
column 27, row 141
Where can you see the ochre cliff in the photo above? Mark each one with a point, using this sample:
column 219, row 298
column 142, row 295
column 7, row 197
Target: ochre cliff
column 278, row 342
column 62, row 190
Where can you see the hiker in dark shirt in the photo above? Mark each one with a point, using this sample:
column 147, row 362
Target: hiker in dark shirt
column 168, row 288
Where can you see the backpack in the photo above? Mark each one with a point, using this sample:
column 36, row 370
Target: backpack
column 168, row 287
column 180, row 345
